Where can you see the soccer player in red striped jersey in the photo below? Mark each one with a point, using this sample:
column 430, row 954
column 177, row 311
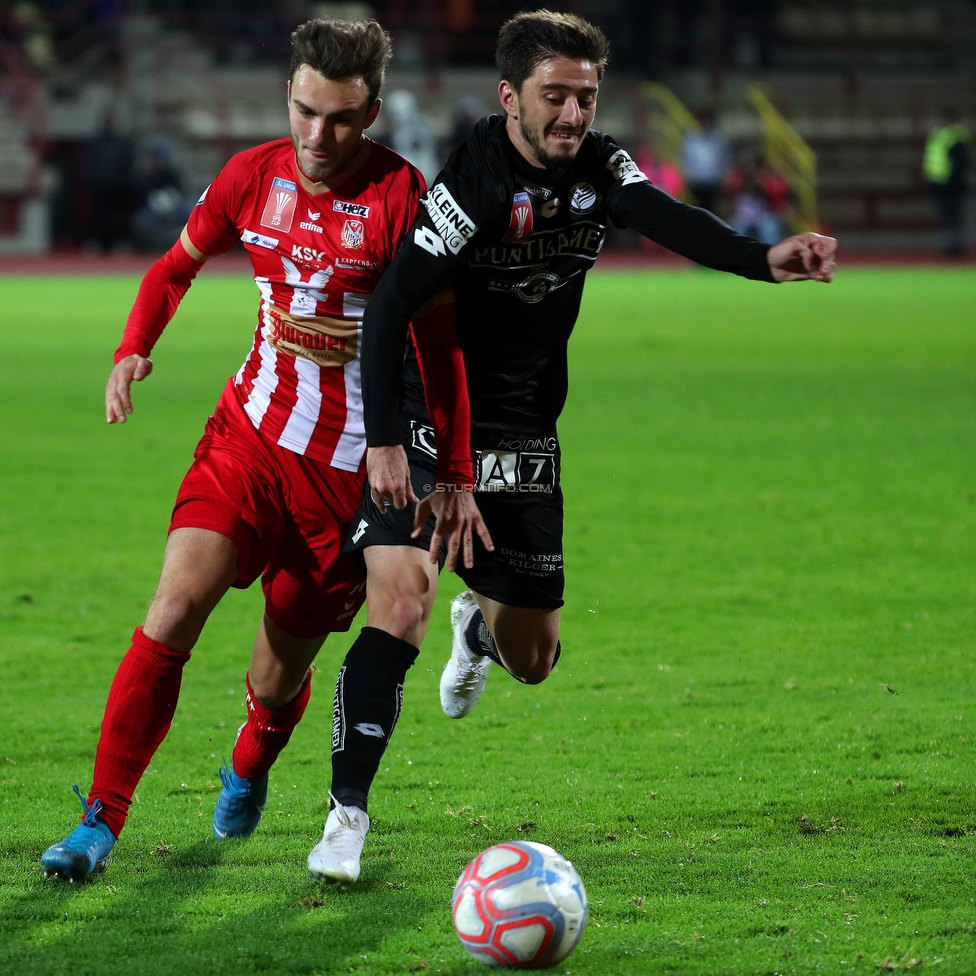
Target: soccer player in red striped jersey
column 279, row 472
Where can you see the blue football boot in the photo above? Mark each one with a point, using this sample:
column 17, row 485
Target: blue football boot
column 85, row 850
column 240, row 804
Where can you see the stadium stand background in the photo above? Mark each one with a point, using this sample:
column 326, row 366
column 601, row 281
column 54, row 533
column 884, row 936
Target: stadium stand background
column 193, row 81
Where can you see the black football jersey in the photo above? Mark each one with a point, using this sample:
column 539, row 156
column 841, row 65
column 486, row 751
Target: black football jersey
column 516, row 242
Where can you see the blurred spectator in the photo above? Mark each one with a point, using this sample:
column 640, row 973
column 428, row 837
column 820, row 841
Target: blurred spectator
column 946, row 167
column 411, row 134
column 759, row 196
column 109, row 159
column 754, row 23
column 776, row 190
column 466, row 113
column 162, row 208
column 664, row 175
column 33, row 37
column 706, row 158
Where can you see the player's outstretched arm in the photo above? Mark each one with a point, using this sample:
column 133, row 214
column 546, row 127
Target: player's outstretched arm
column 118, row 402
column 160, row 293
column 458, row 519
column 804, row 257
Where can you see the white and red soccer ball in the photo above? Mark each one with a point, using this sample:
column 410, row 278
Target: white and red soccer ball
column 519, row 905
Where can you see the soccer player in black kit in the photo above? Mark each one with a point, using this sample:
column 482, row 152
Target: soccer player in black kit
column 513, row 222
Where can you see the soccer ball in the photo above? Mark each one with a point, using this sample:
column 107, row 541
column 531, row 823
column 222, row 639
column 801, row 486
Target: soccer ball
column 519, row 906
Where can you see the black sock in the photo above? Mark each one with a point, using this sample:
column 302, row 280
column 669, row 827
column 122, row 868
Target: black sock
column 479, row 640
column 368, row 696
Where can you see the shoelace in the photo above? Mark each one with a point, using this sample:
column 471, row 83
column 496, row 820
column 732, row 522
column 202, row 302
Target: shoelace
column 224, row 774
column 91, row 812
column 340, row 812
column 468, row 676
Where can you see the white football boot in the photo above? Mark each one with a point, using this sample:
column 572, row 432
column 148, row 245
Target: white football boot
column 465, row 673
column 336, row 856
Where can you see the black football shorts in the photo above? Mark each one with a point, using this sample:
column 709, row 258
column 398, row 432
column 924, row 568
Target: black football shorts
column 518, row 493
column 370, row 528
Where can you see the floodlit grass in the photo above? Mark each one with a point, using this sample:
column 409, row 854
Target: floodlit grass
column 758, row 748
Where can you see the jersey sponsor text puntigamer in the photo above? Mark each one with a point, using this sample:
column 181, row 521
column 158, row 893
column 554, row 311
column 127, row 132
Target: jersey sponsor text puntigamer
column 516, row 242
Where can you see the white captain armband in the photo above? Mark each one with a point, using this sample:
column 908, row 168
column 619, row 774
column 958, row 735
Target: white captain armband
column 625, row 169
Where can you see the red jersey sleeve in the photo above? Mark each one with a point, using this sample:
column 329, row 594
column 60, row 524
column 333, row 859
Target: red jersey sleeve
column 160, row 293
column 212, row 228
column 445, row 390
column 213, row 224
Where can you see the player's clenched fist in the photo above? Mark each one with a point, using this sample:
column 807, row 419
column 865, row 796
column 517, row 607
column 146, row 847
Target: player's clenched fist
column 804, row 256
column 118, row 403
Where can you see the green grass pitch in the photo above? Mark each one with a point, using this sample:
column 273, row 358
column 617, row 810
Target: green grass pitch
column 758, row 748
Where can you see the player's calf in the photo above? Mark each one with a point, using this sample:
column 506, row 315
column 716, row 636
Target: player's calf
column 259, row 743
column 368, row 697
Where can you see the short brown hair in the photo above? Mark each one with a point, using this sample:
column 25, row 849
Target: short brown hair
column 341, row 49
column 532, row 37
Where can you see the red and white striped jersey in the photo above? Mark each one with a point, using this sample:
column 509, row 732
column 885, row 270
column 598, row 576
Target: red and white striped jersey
column 317, row 258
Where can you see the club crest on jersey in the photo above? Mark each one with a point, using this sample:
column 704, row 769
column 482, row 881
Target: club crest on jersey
column 520, row 226
column 279, row 211
column 583, row 197
column 353, row 232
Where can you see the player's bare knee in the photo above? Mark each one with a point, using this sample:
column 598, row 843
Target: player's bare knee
column 401, row 615
column 175, row 620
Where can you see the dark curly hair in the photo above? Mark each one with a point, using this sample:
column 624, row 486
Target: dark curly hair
column 342, row 49
column 530, row 38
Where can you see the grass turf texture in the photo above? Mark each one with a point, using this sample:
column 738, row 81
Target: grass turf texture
column 758, row 749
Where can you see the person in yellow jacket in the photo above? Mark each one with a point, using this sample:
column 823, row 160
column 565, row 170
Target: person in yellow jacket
column 946, row 165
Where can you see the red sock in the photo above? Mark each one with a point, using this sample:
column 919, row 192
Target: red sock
column 138, row 715
column 267, row 731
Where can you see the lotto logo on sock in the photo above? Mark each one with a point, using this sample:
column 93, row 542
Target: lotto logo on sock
column 371, row 729
column 279, row 211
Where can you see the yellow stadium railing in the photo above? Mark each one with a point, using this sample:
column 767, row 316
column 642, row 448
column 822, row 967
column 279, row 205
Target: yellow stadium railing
column 669, row 120
column 789, row 153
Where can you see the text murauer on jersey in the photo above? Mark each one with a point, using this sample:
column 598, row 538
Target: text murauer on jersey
column 324, row 340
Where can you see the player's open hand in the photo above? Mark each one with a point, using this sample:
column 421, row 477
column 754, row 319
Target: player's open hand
column 118, row 403
column 458, row 519
column 804, row 257
column 389, row 477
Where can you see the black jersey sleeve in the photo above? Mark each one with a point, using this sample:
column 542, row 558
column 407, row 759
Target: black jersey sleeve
column 461, row 202
column 634, row 202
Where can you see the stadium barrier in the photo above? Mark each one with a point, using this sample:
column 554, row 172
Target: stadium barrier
column 669, row 121
column 790, row 154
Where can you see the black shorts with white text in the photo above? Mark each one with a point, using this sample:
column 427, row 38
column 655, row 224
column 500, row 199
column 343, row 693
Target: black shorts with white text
column 518, row 493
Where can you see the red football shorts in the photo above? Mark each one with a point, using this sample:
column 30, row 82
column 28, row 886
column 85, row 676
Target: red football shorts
column 287, row 514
